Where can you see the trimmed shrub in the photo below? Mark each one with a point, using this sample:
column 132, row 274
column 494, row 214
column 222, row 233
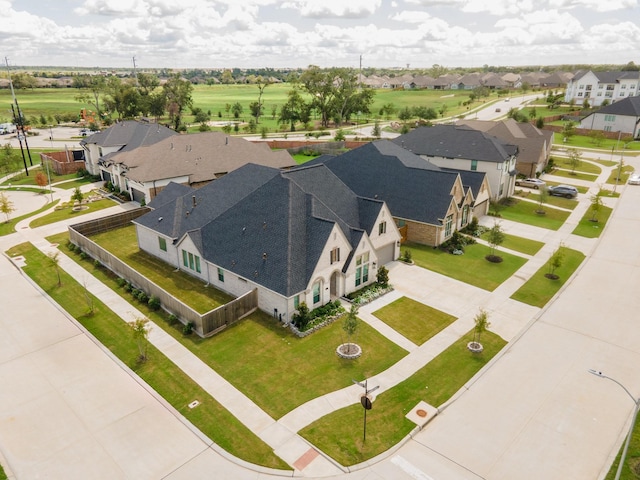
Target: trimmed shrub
column 173, row 319
column 187, row 329
column 154, row 303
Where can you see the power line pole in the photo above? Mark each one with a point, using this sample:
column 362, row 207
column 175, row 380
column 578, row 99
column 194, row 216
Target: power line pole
column 19, row 121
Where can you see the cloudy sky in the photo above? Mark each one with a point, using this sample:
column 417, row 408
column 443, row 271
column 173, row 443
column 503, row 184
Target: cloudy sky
column 297, row 33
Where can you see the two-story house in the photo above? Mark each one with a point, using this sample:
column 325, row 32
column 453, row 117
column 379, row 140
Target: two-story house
column 598, row 87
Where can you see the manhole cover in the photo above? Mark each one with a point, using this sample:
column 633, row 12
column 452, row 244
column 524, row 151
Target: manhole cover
column 421, row 413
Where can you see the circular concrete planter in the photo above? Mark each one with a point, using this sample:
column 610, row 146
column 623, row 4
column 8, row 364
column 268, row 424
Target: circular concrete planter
column 475, row 347
column 349, row 351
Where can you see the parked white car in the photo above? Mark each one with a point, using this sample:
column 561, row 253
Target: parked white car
column 634, row 178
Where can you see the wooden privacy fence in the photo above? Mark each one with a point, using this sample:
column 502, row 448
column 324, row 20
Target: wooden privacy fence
column 205, row 324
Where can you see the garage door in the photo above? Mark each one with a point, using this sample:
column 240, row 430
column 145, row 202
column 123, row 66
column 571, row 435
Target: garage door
column 385, row 254
column 137, row 195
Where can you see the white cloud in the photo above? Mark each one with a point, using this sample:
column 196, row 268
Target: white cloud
column 334, row 8
column 411, row 16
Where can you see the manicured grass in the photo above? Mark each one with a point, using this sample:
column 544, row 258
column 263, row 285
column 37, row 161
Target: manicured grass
column 471, row 268
column 414, row 320
column 339, row 434
column 519, row 244
column 603, row 192
column 581, row 189
column 247, row 354
column 78, row 182
column 3, row 476
column 630, row 468
column 583, row 167
column 538, row 290
column 624, row 175
column 68, row 212
column 589, row 229
column 122, row 243
column 158, row 371
column 584, row 141
column 551, row 199
column 525, row 212
column 301, row 158
column 606, row 163
column 577, row 175
column 7, row 228
column 22, row 179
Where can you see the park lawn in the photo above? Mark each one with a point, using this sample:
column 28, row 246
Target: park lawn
column 340, row 433
column 525, row 212
column 471, row 268
column 622, row 178
column 8, row 227
column 68, row 212
column 122, row 242
column 551, row 199
column 519, row 244
column 21, row 179
column 247, row 352
column 158, row 371
column 578, row 175
column 538, row 290
column 301, row 158
column 414, row 320
column 589, row 229
column 584, row 141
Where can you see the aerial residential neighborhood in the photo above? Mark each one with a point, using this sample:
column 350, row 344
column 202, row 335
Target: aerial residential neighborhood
column 343, row 240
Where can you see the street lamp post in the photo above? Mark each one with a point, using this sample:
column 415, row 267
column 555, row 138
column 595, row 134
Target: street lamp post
column 636, row 401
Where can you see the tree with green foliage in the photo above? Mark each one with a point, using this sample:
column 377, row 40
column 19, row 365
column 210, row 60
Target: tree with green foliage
column 54, row 261
column 376, row 129
column 387, row 110
column 96, row 88
column 77, row 195
column 147, row 83
column 6, row 206
column 292, row 111
column 555, row 262
column 178, row 94
column 237, row 110
column 122, row 97
column 382, row 276
column 140, row 330
column 481, row 325
column 261, row 83
column 543, row 196
column 495, row 238
column 596, row 206
column 574, row 159
column 350, row 323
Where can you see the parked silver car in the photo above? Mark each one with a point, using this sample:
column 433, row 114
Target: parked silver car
column 563, row 191
column 530, row 182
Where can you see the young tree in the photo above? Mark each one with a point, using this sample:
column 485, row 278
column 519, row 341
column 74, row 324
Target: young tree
column 140, row 329
column 6, row 205
column 54, row 261
column 569, row 130
column 350, row 323
column 237, row 110
column 77, row 195
column 555, row 262
column 481, row 321
column 543, row 196
column 574, row 159
column 495, row 238
column 41, row 179
column 261, row 83
column 596, row 206
column 376, row 129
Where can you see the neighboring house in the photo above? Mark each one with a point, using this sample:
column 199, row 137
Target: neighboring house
column 534, row 145
column 621, row 116
column 428, row 203
column 296, row 236
column 193, row 160
column 556, row 80
column 469, row 81
column 121, row 137
column 493, row 81
column 597, row 87
column 463, row 148
column 512, row 80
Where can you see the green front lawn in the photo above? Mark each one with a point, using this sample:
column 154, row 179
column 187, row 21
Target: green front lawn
column 622, row 178
column 589, row 229
column 67, row 212
column 471, row 268
column 561, row 202
column 580, row 188
column 414, row 320
column 340, row 433
column 538, row 290
column 519, row 244
column 22, row 179
column 301, row 158
column 266, row 361
column 122, row 243
column 578, row 175
column 71, row 184
column 583, row 167
column 525, row 212
column 158, row 371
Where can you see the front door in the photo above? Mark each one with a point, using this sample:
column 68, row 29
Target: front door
column 333, row 285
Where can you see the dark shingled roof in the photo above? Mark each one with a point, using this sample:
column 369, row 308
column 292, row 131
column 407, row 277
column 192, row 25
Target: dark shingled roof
column 265, row 225
column 412, row 187
column 630, row 107
column 129, row 135
column 608, row 77
column 456, row 141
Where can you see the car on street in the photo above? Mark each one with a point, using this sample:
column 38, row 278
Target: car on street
column 530, row 182
column 563, row 191
column 634, row 179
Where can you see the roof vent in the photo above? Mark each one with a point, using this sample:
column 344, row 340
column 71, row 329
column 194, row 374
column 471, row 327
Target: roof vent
column 264, row 256
column 193, row 201
column 244, row 229
column 264, row 225
column 226, row 140
column 159, row 219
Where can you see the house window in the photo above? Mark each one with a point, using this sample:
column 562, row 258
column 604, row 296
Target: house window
column 448, row 224
column 220, row 274
column 316, row 292
column 335, row 255
column 191, row 261
column 362, row 268
column 401, row 223
column 609, row 118
column 162, row 243
column 474, row 165
column 382, row 228
column 465, row 215
column 623, row 86
column 579, row 94
column 296, row 302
